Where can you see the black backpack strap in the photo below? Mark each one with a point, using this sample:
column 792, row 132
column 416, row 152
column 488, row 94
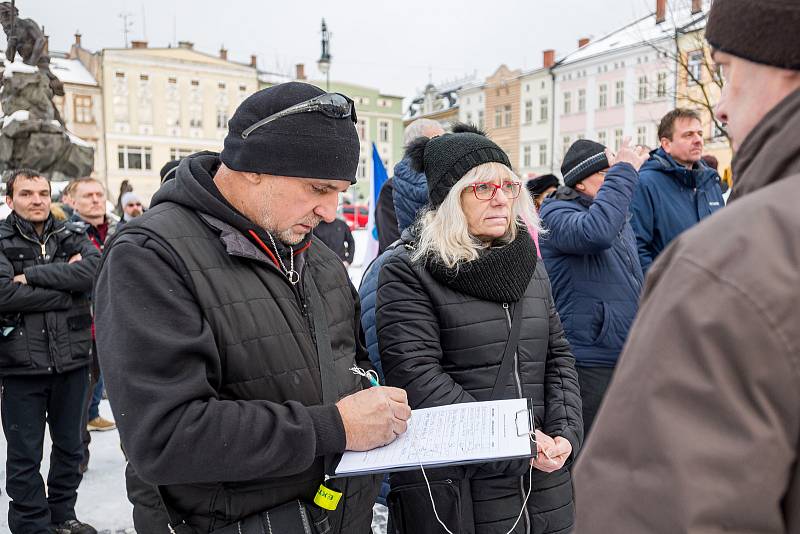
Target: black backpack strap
column 508, row 354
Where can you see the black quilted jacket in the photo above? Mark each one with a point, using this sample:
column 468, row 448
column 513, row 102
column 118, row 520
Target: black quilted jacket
column 445, row 347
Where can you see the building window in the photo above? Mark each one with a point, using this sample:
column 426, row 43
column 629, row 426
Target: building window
column 469, row 118
column 82, row 105
column 601, row 137
column 526, row 156
column 362, row 169
column 507, row 115
column 617, row 139
column 134, row 157
column 565, row 145
column 695, row 67
column 145, row 97
column 528, row 111
column 602, row 100
column 641, row 136
column 362, row 100
column 383, row 131
column 642, row 88
column 480, row 119
column 567, row 103
column 543, row 155
column 120, row 98
column 180, row 153
column 195, row 105
column 498, row 117
column 544, row 109
column 661, row 90
column 361, row 128
column 580, row 136
column 173, row 104
column 222, row 119
column 619, row 93
column 222, row 107
column 581, row 100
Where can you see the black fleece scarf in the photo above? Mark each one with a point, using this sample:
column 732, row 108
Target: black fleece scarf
column 500, row 274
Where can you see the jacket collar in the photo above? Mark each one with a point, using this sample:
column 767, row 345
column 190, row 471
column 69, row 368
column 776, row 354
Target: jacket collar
column 568, row 193
column 15, row 224
column 771, row 151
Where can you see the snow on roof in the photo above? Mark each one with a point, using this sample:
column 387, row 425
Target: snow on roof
column 17, row 66
column 640, row 32
column 71, row 71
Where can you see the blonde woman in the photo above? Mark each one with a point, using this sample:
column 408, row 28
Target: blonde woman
column 448, row 301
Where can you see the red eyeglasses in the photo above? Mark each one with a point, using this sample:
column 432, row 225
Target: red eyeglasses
column 487, row 190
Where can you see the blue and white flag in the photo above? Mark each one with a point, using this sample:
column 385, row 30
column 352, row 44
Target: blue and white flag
column 379, row 177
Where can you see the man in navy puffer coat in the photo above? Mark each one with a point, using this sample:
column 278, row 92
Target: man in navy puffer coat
column 590, row 255
column 676, row 188
column 410, row 194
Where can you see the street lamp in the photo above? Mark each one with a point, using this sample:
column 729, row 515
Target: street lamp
column 324, row 62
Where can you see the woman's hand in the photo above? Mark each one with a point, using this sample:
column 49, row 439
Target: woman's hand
column 551, row 453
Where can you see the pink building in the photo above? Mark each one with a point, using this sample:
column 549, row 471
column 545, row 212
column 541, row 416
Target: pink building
column 621, row 84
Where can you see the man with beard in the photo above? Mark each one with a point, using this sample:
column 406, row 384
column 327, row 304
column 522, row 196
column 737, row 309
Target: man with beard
column 700, row 429
column 231, row 379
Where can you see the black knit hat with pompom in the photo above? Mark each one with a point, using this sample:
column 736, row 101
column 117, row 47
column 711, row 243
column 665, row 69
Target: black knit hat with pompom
column 447, row 158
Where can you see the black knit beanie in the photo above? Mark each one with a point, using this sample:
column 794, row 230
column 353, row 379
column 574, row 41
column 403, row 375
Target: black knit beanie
column 762, row 31
column 542, row 183
column 305, row 145
column 583, row 159
column 447, row 158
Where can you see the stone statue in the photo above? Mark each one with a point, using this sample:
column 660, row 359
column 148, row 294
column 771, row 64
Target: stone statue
column 25, row 36
column 32, row 134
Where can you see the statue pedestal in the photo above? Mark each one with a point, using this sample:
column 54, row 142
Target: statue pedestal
column 31, row 135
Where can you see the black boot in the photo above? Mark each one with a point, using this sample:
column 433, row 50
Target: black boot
column 73, row 526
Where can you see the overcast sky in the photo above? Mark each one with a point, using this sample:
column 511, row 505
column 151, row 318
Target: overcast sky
column 391, row 45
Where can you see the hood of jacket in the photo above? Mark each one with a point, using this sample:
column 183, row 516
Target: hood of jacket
column 410, row 193
column 697, row 177
column 771, row 151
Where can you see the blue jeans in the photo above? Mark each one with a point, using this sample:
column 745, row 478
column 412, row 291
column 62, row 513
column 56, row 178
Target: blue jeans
column 97, row 396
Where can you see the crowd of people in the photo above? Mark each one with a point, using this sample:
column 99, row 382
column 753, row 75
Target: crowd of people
column 651, row 328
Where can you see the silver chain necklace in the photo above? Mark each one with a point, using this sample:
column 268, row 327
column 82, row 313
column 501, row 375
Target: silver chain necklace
column 291, row 274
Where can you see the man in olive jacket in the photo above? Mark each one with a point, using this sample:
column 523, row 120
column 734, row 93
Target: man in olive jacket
column 46, row 274
column 700, row 430
column 228, row 374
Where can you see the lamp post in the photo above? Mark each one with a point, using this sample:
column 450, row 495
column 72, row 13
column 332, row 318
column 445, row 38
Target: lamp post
column 324, row 62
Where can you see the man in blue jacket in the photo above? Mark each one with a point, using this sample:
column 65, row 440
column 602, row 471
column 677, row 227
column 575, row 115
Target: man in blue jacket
column 676, row 188
column 590, row 255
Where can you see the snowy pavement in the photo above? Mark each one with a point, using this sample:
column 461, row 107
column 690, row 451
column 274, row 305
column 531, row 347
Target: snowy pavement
column 102, row 500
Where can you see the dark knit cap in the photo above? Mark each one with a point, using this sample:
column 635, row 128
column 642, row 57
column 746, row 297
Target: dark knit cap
column 305, row 145
column 762, row 31
column 583, row 159
column 542, row 183
column 447, row 158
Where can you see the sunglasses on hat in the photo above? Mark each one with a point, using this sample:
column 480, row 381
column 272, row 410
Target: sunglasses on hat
column 333, row 105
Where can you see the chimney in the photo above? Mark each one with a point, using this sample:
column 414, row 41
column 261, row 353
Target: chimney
column 548, row 58
column 188, row 45
column 138, row 44
column 697, row 6
column 661, row 11
column 223, row 53
column 46, row 48
column 78, row 39
column 583, row 41
column 300, row 71
column 253, row 60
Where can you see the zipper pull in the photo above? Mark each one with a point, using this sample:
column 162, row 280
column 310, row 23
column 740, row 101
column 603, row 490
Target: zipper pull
column 505, row 305
column 44, row 249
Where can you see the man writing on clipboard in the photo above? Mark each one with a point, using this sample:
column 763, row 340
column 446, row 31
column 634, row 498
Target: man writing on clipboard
column 231, row 381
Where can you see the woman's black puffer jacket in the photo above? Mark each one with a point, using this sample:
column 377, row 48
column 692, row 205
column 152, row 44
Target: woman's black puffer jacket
column 445, row 347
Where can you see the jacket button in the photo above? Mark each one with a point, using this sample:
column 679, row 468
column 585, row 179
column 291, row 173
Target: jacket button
column 43, row 330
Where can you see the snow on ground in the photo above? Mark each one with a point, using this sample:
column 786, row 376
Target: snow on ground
column 102, row 500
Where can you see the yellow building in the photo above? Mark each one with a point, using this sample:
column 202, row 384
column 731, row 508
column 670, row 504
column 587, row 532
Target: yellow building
column 699, row 87
column 162, row 104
